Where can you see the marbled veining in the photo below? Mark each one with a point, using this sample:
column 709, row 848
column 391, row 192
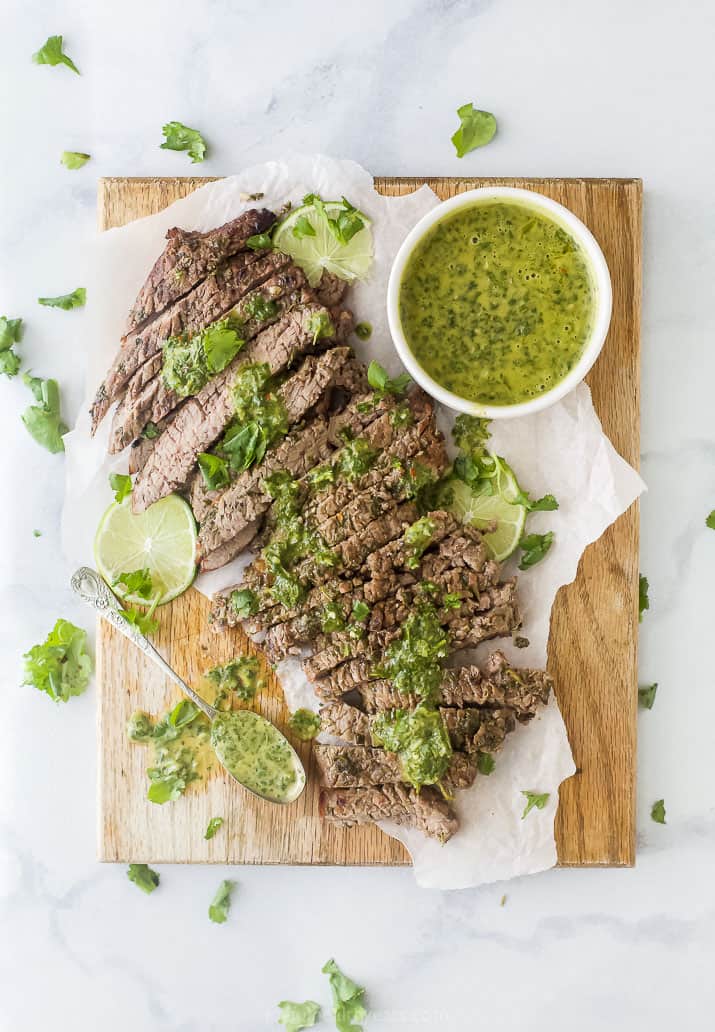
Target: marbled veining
column 611, row 88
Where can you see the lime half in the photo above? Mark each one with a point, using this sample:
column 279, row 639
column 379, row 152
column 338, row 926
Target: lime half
column 322, row 250
column 162, row 539
column 478, row 507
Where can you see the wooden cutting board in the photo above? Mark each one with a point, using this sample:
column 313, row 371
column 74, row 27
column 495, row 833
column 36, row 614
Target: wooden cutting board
column 592, row 648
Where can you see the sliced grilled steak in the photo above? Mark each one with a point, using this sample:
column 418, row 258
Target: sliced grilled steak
column 357, row 766
column 395, row 554
column 478, row 730
column 345, row 722
column 205, row 304
column 426, row 811
column 188, row 258
column 331, row 290
column 278, row 295
column 203, row 417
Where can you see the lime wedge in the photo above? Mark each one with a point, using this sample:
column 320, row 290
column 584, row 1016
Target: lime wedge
column 162, row 539
column 321, row 251
column 478, row 507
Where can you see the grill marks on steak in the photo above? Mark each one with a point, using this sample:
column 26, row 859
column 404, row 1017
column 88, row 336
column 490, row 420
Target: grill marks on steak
column 426, row 810
column 210, row 300
column 189, row 257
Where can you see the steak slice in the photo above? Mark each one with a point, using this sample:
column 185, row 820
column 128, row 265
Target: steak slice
column 331, row 290
column 300, row 392
column 189, row 257
column 203, row 305
column 203, row 417
column 346, row 722
column 478, row 730
column 357, row 766
column 280, row 293
column 426, row 811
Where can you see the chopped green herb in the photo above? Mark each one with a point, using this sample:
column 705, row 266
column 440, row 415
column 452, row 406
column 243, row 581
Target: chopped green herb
column 178, row 137
column 260, row 242
column 382, row 384
column 144, row 622
column 174, row 761
column 452, row 600
column 331, row 618
column 710, row 520
column 363, row 331
column 303, row 227
column 321, row 477
column 138, row 582
column 241, row 676
column 348, row 223
column 657, row 811
column 150, row 432
column 535, row 547
column 417, row 539
column 401, row 416
column 52, row 54
column 534, row 799
column 244, row 603
column 297, row 1016
column 485, row 763
column 61, row 665
column 356, row 458
column 259, row 308
column 214, row 470
column 37, row 533
column 121, row 484
column 65, row 301
column 140, row 727
column 10, row 333
column 545, row 504
column 477, row 128
column 412, row 662
column 470, row 434
column 261, row 418
column 360, row 611
column 143, row 877
column 74, row 159
column 304, row 724
column 221, row 903
column 212, row 827
column 646, row 695
column 419, row 738
column 643, row 600
column 43, row 421
column 320, row 325
column 191, row 361
column 347, row 996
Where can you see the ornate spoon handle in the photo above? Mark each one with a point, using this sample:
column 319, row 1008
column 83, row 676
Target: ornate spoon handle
column 89, row 586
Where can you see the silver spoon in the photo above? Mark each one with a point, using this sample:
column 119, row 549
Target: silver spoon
column 93, row 590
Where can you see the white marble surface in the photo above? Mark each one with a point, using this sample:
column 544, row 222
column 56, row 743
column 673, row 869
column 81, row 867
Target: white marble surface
column 622, row 87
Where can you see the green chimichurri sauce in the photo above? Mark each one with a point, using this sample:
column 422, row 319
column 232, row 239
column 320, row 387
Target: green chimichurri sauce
column 496, row 303
column 256, row 753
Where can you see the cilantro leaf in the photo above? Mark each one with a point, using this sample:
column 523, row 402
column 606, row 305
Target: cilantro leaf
column 477, row 129
column 535, row 547
column 363, row 331
column 61, row 665
column 65, row 301
column 260, row 242
column 244, row 603
column 10, row 333
column 347, row 999
column 547, row 503
column 320, row 325
column 244, row 445
column 145, row 622
column 304, row 724
column 221, row 345
column 121, row 484
column 138, row 582
column 74, row 159
column 485, row 763
column 657, row 811
column 143, row 877
column 43, row 421
column 534, row 799
column 178, row 137
column 241, row 676
column 214, row 470
column 150, row 431
column 349, row 220
column 710, row 520
column 52, row 54
column 643, row 600
column 303, row 227
column 212, row 827
column 647, row 694
column 9, row 363
column 221, row 903
column 37, row 533
column 382, row 384
column 296, row 1016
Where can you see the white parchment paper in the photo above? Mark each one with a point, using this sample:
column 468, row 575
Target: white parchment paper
column 562, row 450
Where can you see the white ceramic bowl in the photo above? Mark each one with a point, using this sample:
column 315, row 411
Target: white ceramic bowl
column 602, row 293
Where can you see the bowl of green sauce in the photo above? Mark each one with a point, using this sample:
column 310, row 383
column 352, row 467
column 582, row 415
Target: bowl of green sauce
column 499, row 302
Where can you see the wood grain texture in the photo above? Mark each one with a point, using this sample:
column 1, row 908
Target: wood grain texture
column 592, row 646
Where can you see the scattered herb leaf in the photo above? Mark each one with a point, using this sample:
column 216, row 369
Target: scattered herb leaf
column 65, row 301
column 43, row 421
column 657, row 811
column 534, row 799
column 143, row 877
column 296, row 1016
column 178, row 137
column 260, row 242
column 214, row 470
column 363, row 331
column 382, row 384
column 150, row 431
column 710, row 520
column 303, row 227
column 535, row 547
column 74, row 159
column 52, row 54
column 37, row 533
column 212, row 827
column 244, row 603
column 10, row 333
column 347, row 999
column 647, row 694
column 477, row 128
column 304, row 724
column 221, row 903
column 643, row 600
column 121, row 484
column 485, row 763
column 138, row 582
column 61, row 665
